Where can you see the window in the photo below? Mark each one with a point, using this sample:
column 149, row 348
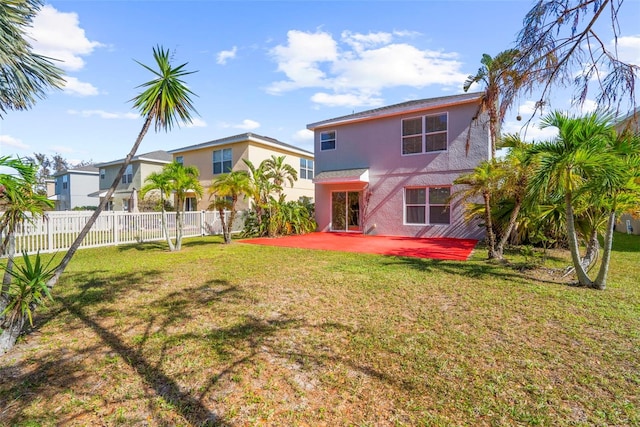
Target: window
column 424, row 134
column 101, row 173
column 180, row 159
column 65, row 182
column 328, row 140
column 427, row 205
column 306, row 169
column 222, row 161
column 127, row 178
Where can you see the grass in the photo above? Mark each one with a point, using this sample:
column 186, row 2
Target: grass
column 256, row 335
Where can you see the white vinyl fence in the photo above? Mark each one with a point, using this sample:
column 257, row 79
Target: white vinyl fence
column 56, row 231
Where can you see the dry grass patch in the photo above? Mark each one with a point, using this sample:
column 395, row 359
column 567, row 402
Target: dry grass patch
column 256, row 335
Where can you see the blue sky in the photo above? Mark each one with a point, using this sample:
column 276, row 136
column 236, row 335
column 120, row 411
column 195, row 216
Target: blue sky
column 264, row 67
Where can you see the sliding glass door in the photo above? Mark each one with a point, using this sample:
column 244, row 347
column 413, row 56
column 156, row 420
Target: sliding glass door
column 345, row 211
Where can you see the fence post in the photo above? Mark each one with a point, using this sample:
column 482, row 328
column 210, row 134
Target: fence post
column 116, row 220
column 48, row 221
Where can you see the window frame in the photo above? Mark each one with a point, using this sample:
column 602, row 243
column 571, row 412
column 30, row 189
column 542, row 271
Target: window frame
column 425, row 133
column 306, row 171
column 334, row 139
column 127, row 178
column 427, row 205
column 221, row 161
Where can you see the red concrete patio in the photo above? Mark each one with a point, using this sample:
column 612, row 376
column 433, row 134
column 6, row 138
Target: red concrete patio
column 434, row 248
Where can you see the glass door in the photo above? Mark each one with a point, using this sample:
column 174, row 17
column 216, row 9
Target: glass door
column 345, row 211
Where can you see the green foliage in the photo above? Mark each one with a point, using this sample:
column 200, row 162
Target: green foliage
column 28, row 288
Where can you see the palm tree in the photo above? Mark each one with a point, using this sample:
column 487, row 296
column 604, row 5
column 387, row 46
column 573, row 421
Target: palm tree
column 226, row 190
column 182, row 181
column 280, row 172
column 501, row 84
column 24, row 75
column 483, row 182
column 165, row 102
column 20, row 203
column 158, row 181
column 581, row 160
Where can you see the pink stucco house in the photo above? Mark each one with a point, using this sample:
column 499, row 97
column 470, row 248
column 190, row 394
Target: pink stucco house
column 390, row 171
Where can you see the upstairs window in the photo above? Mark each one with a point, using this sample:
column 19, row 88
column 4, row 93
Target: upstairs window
column 222, row 161
column 328, row 140
column 424, row 134
column 127, row 178
column 306, row 169
column 180, row 160
column 102, row 174
column 65, row 182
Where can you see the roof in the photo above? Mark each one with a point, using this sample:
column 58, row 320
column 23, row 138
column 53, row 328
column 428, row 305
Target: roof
column 158, row 156
column 82, row 170
column 402, row 108
column 251, row 137
column 342, row 176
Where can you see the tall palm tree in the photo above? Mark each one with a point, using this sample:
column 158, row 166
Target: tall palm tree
column 165, row 102
column 501, row 85
column 579, row 161
column 226, row 190
column 260, row 188
column 182, row 181
column 159, row 181
column 24, row 75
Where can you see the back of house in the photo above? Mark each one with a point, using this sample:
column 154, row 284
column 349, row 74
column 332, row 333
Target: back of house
column 390, row 170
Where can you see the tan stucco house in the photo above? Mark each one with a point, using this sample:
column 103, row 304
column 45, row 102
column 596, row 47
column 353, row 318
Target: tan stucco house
column 215, row 157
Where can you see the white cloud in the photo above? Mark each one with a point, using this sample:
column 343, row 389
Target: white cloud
column 629, row 49
column 303, row 135
column 356, row 70
column 197, row 123
column 246, row 124
column 6, row 140
column 103, row 114
column 76, row 87
column 529, row 131
column 347, row 99
column 58, row 35
column 225, row 55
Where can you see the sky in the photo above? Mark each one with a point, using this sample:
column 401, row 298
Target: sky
column 264, row 67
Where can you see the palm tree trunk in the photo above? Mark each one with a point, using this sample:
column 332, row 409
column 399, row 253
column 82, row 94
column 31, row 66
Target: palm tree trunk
column 11, row 332
column 583, row 278
column 92, row 220
column 6, row 279
column 225, row 230
column 165, row 230
column 507, row 232
column 179, row 225
column 601, row 280
column 491, row 236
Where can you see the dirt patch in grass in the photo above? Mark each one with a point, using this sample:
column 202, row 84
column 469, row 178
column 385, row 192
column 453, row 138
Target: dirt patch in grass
column 251, row 335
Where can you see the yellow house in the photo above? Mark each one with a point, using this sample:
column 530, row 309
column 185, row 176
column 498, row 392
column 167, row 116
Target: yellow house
column 223, row 155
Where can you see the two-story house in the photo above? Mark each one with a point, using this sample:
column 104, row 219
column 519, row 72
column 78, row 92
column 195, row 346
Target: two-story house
column 390, row 170
column 125, row 196
column 72, row 188
column 219, row 156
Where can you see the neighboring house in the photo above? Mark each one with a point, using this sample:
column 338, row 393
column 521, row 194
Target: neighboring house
column 216, row 157
column 390, row 171
column 628, row 223
column 125, row 198
column 72, row 187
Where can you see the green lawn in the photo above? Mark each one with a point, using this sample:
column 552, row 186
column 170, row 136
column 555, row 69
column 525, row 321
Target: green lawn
column 254, row 335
